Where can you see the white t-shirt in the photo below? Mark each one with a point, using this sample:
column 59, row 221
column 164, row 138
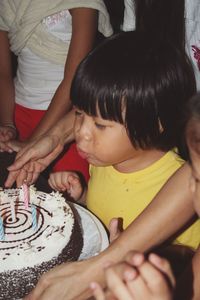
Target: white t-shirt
column 192, row 22
column 37, row 79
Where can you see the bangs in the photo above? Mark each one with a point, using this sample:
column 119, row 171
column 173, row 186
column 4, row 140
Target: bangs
column 97, row 89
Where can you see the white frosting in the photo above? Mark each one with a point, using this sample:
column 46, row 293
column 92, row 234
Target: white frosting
column 25, row 246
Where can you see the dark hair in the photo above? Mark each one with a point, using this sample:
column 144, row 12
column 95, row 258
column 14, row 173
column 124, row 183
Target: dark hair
column 192, row 109
column 163, row 18
column 137, row 81
column 190, row 117
column 116, row 12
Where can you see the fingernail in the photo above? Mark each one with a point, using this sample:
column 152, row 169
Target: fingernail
column 130, row 275
column 93, row 285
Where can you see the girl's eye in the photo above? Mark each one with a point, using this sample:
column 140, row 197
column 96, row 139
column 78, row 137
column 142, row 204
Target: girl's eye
column 100, row 126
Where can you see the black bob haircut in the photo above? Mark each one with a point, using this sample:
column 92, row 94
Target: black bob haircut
column 192, row 117
column 139, row 81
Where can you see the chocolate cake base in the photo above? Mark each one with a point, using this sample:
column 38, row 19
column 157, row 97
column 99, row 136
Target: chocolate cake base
column 16, row 284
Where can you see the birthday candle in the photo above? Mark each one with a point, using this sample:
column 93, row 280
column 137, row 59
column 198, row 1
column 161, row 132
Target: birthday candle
column 2, row 236
column 12, row 207
column 26, row 195
column 34, row 216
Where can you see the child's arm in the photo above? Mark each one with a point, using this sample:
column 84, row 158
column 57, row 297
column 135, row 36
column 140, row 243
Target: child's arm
column 84, row 29
column 150, row 279
column 7, row 94
column 69, row 182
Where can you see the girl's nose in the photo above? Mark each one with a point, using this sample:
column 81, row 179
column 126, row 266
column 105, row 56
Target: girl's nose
column 83, row 129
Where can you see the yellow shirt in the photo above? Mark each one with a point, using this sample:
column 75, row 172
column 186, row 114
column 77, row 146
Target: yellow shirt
column 125, row 195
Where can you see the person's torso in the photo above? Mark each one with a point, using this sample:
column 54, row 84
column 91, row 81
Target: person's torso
column 38, row 78
column 119, row 195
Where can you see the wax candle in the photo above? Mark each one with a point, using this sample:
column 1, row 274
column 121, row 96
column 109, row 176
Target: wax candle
column 12, row 208
column 26, row 194
column 2, row 236
column 34, row 216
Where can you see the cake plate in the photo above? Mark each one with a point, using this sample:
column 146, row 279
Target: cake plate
column 95, row 238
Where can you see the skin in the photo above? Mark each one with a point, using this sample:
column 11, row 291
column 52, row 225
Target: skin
column 84, row 29
column 7, row 94
column 97, row 141
column 66, row 181
column 142, row 279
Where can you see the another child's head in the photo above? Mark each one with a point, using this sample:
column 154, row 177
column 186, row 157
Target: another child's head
column 138, row 82
column 193, row 142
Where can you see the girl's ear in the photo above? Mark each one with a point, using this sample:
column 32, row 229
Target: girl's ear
column 161, row 129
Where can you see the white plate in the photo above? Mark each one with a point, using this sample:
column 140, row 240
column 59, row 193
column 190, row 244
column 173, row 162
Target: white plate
column 95, row 238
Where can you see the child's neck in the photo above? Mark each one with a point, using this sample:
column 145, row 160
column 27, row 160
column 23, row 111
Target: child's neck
column 141, row 160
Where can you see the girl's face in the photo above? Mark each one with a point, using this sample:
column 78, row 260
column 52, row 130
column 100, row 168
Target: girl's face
column 103, row 142
column 193, row 142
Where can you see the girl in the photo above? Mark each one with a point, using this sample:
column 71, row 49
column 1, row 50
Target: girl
column 127, row 125
column 150, row 283
column 49, row 40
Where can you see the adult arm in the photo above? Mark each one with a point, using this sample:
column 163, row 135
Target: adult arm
column 84, row 30
column 152, row 227
column 35, row 156
column 7, row 94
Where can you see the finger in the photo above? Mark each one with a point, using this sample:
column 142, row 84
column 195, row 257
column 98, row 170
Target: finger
column 21, row 160
column 21, row 177
column 114, row 229
column 12, row 176
column 53, row 183
column 15, row 145
column 135, row 258
column 116, row 285
column 65, row 180
column 164, row 266
column 35, row 176
column 97, row 290
column 29, row 178
column 50, row 183
column 57, row 181
column 151, row 281
column 138, row 288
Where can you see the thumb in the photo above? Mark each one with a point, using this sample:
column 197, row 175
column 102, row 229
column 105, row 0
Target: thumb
column 115, row 228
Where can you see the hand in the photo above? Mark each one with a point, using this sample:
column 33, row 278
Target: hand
column 7, row 134
column 67, row 181
column 68, row 281
column 32, row 159
column 150, row 279
column 115, row 229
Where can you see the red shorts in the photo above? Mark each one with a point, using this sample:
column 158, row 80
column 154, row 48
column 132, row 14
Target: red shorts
column 26, row 120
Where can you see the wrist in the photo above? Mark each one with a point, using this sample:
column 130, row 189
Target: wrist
column 112, row 254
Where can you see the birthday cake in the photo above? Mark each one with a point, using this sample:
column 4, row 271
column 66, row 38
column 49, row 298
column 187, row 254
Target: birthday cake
column 34, row 237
